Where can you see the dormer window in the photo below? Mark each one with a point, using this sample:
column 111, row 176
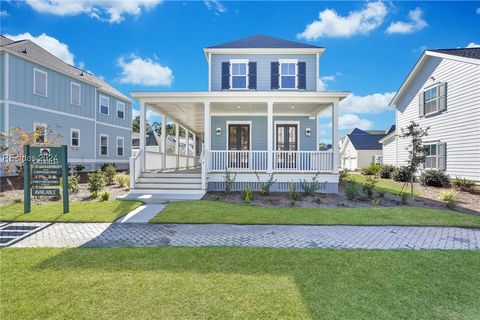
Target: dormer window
column 288, row 74
column 239, row 74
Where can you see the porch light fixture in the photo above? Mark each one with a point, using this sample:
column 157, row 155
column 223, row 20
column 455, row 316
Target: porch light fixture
column 293, row 107
column 218, row 131
column 308, row 132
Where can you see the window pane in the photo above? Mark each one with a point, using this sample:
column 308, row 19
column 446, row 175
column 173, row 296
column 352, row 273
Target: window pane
column 284, row 68
column 288, row 82
column 239, row 82
column 239, row 69
column 291, row 69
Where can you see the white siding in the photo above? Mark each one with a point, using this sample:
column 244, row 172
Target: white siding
column 349, row 157
column 459, row 126
column 365, row 157
column 389, row 151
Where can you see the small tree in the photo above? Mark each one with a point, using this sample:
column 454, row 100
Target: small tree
column 416, row 151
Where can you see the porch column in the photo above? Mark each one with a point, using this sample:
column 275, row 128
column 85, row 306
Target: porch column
column 269, row 137
column 206, row 143
column 335, row 135
column 177, row 144
column 143, row 116
column 187, row 140
column 164, row 141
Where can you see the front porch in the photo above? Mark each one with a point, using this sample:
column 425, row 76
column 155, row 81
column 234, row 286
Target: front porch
column 248, row 134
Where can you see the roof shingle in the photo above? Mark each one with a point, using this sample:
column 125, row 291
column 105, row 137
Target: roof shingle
column 473, row 53
column 262, row 41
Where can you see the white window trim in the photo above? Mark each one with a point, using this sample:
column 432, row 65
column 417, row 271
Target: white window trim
column 72, row 130
column 100, row 105
column 35, row 83
column 249, row 123
column 297, row 123
column 284, row 61
column 43, row 125
column 239, row 61
column 436, row 156
column 74, row 84
column 100, row 145
column 120, row 103
column 123, row 146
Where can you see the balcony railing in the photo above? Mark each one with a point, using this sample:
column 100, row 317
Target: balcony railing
column 282, row 161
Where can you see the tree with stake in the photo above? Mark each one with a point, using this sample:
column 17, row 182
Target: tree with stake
column 416, row 151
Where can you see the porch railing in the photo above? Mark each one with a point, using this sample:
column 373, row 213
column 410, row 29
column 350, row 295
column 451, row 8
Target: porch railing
column 282, row 161
column 135, row 167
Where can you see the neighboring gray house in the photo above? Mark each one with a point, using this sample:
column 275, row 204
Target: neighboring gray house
column 442, row 93
column 40, row 92
column 258, row 117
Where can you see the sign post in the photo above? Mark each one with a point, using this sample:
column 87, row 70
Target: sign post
column 43, row 168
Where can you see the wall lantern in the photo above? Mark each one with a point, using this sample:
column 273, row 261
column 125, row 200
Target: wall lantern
column 308, row 132
column 218, row 131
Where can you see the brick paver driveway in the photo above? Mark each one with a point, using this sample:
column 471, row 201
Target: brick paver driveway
column 277, row 236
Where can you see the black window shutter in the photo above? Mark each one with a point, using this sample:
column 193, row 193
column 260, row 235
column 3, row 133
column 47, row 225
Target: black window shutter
column 275, row 75
column 225, row 75
column 252, row 75
column 302, row 75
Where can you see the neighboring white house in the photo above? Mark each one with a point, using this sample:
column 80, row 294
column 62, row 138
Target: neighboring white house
column 442, row 92
column 361, row 148
column 389, row 148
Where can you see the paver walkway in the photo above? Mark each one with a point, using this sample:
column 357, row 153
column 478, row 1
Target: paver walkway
column 276, row 236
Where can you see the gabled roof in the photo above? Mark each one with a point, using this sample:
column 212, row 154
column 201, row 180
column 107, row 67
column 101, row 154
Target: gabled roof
column 466, row 55
column 262, row 41
column 31, row 51
column 368, row 139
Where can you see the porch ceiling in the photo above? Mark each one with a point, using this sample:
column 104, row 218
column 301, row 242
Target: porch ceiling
column 189, row 115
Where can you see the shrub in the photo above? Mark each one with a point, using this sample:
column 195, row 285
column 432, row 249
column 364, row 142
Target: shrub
column 105, row 196
column 96, row 182
column 351, row 190
column 343, row 176
column 369, row 186
column 247, row 194
column 110, row 172
column 401, row 174
column 448, row 197
column 371, row 170
column 79, row 168
column 229, row 180
column 310, row 188
column 122, row 179
column 434, row 178
column 386, row 171
column 265, row 186
column 293, row 193
column 95, row 194
column 105, row 165
column 463, row 184
column 73, row 180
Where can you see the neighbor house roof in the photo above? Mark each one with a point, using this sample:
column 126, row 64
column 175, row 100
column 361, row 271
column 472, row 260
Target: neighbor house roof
column 466, row 55
column 31, row 51
column 368, row 139
column 262, row 41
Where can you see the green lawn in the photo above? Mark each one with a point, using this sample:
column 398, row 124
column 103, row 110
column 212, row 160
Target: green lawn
column 205, row 211
column 238, row 283
column 385, row 185
column 86, row 211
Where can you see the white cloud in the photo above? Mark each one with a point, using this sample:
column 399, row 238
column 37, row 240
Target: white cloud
column 350, row 121
column 216, row 6
column 323, row 82
column 330, row 24
column 416, row 23
column 3, row 13
column 478, row 10
column 135, row 113
column 473, row 45
column 373, row 103
column 52, row 45
column 111, row 11
column 136, row 70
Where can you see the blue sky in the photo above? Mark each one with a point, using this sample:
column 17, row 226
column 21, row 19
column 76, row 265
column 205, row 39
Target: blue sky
column 155, row 45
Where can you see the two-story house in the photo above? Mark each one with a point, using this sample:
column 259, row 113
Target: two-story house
column 41, row 93
column 442, row 93
column 258, row 117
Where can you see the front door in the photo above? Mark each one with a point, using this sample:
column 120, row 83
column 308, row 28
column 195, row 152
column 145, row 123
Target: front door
column 287, row 140
column 239, row 143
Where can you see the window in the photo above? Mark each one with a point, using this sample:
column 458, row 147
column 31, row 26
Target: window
column 120, row 110
column 74, row 137
column 377, row 159
column 239, row 77
column 103, row 145
column 120, row 146
column 288, row 74
column 40, row 130
column 75, row 91
column 435, row 156
column 104, row 105
column 39, row 82
column 430, row 100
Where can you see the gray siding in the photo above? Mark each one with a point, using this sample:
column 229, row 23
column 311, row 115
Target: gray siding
column 263, row 68
column 259, row 131
column 2, row 113
column 2, row 63
column 113, row 133
column 112, row 114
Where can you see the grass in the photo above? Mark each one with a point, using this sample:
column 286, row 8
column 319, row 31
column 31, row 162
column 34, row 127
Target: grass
column 385, row 185
column 86, row 211
column 205, row 211
column 238, row 283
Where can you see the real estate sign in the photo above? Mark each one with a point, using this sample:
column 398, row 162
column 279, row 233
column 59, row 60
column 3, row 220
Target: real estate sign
column 43, row 168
